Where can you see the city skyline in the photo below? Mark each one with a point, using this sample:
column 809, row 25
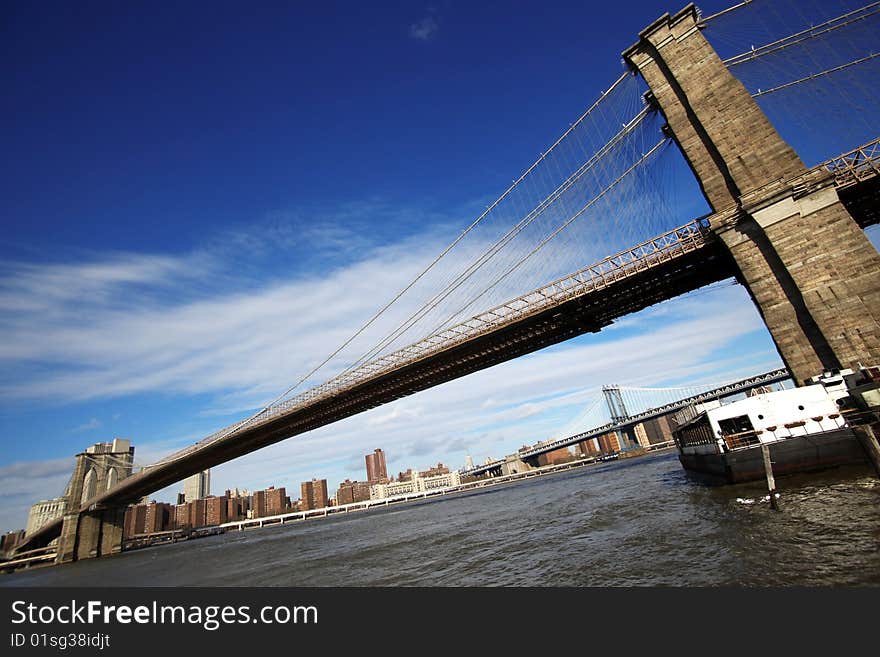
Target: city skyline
column 197, row 489
column 149, row 521
column 315, row 493
column 171, row 266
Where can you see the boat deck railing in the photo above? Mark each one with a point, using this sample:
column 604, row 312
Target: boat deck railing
column 774, row 434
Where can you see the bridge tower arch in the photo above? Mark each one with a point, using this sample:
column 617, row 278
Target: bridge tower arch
column 89, row 486
column 809, row 268
column 112, row 478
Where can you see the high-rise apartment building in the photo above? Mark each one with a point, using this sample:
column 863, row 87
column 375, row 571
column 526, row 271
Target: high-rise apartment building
column 197, row 517
column 259, row 504
column 276, row 501
column 314, row 494
column 238, row 503
column 435, row 472
column 377, row 470
column 215, row 511
column 659, row 430
column 181, row 516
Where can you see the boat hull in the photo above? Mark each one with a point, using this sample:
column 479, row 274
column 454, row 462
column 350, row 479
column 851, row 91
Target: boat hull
column 807, row 453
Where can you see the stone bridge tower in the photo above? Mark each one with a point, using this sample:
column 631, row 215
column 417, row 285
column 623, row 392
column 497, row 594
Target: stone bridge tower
column 95, row 532
column 811, row 271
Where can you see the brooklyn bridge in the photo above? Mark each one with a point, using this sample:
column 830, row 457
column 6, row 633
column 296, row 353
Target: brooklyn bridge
column 590, row 233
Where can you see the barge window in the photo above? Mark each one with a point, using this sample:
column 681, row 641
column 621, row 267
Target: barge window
column 738, row 424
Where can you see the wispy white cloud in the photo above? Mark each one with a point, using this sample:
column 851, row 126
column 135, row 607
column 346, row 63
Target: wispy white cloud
column 94, row 423
column 396, row 413
column 425, row 29
column 95, row 338
column 26, row 483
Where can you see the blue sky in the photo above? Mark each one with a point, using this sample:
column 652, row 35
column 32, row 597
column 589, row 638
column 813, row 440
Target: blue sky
column 200, row 200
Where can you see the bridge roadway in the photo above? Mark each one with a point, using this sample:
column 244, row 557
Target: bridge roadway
column 742, row 385
column 679, row 261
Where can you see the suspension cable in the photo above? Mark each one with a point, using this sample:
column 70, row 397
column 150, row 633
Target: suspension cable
column 814, row 76
column 815, row 31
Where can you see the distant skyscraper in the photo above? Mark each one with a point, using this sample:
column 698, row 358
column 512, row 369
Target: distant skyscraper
column 469, row 462
column 376, row 468
column 197, row 486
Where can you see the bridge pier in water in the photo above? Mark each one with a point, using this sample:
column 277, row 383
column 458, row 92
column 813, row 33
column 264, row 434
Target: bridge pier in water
column 808, row 266
column 89, row 534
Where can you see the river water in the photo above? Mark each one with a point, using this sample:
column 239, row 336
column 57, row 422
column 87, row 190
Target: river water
column 637, row 522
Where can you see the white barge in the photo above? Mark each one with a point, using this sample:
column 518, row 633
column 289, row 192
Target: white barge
column 806, row 428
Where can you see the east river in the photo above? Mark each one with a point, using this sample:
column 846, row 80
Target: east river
column 636, row 522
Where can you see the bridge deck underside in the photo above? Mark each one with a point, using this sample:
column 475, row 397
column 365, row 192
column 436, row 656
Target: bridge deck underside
column 587, row 313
